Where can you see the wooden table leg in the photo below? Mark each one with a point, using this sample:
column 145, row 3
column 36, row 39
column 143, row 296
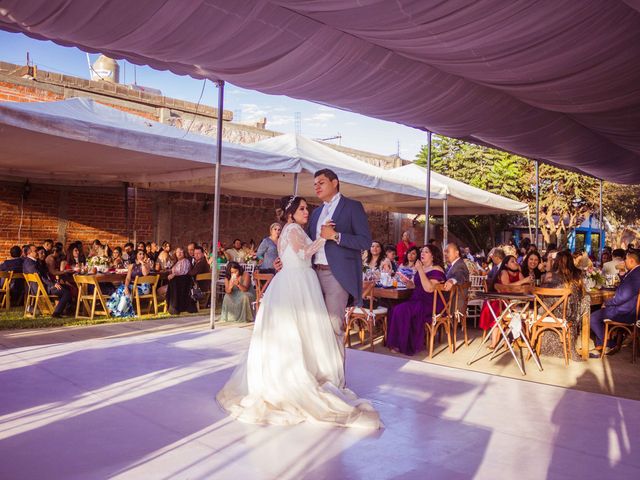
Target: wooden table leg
column 586, row 330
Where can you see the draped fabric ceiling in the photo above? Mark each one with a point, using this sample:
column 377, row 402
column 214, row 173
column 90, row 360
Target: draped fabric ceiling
column 553, row 80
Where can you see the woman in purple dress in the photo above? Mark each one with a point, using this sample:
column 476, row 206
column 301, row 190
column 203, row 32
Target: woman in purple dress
column 405, row 332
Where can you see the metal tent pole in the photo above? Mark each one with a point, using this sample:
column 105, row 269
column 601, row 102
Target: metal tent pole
column 216, row 204
column 295, row 184
column 537, row 204
column 445, row 222
column 427, row 203
column 601, row 226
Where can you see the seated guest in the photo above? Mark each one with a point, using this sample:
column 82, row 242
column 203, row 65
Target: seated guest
column 268, row 249
column 120, row 304
column 496, row 256
column 128, row 254
column 117, row 261
column 142, row 246
column 191, row 246
column 532, row 266
column 235, row 253
column 48, row 246
column 73, row 260
column 407, row 268
column 509, row 274
column 178, row 290
column 406, row 327
column 616, row 264
column 391, row 257
column 622, row 307
column 53, row 262
column 404, row 245
column 582, row 260
column 41, row 255
column 374, row 256
column 236, row 305
column 199, row 266
column 32, row 264
column 165, row 259
column 14, row 264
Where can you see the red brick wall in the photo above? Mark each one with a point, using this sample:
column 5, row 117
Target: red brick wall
column 10, row 92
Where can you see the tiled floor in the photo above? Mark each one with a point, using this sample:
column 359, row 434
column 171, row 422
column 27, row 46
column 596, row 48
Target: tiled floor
column 142, row 406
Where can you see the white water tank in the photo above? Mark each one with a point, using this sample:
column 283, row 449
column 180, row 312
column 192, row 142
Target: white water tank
column 105, row 69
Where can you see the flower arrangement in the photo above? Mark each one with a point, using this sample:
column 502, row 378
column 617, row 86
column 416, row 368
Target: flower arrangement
column 593, row 277
column 99, row 263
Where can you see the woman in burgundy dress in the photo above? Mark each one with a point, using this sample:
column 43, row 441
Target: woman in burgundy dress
column 405, row 331
column 509, row 274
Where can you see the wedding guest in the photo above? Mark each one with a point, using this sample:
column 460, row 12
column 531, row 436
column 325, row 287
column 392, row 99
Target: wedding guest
column 406, row 327
column 391, row 257
column 52, row 261
column 128, row 255
column 41, row 255
column 120, row 303
column 235, row 254
column 616, row 264
column 190, row 251
column 457, row 273
column 116, row 258
column 199, row 266
column 404, row 245
column 97, row 249
column 180, row 283
column 374, row 256
column 74, row 259
column 32, row 264
column 408, row 265
column 497, row 256
column 622, row 307
column 48, row 246
column 268, row 249
column 236, row 305
column 14, row 264
column 142, row 246
column 532, row 266
column 508, row 274
column 165, row 258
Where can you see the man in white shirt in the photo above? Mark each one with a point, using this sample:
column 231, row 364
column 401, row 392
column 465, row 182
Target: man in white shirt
column 616, row 264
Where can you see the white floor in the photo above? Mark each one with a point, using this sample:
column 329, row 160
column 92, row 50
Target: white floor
column 143, row 407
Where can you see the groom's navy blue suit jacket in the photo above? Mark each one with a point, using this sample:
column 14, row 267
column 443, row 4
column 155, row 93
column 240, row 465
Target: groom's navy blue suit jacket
column 345, row 259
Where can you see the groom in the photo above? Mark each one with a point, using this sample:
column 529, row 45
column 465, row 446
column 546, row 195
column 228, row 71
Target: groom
column 343, row 223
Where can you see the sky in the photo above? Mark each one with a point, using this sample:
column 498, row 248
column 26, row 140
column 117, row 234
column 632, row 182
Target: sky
column 248, row 106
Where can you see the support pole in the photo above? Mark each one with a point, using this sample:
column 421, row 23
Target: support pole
column 427, row 203
column 295, row 184
column 537, row 204
column 126, row 211
column 445, row 223
column 216, row 204
column 601, row 226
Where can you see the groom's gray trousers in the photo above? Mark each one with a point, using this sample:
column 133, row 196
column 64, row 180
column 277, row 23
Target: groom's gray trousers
column 336, row 298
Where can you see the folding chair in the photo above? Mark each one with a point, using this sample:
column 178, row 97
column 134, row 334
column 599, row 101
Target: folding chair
column 152, row 297
column 5, row 289
column 202, row 303
column 261, row 281
column 474, row 305
column 38, row 300
column 94, row 302
column 440, row 320
column 366, row 317
column 220, row 281
column 545, row 318
column 633, row 329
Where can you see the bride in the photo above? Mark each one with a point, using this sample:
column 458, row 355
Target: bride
column 293, row 368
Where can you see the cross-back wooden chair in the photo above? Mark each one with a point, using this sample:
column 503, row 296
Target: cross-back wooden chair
column 478, row 283
column 38, row 300
column 220, row 281
column 459, row 306
column 440, row 320
column 202, row 303
column 633, row 329
column 92, row 299
column 366, row 318
column 5, row 289
column 551, row 315
column 151, row 297
column 261, row 282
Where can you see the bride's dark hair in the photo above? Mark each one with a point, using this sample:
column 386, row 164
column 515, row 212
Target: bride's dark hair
column 288, row 206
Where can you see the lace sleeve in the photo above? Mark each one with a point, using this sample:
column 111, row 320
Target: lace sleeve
column 300, row 242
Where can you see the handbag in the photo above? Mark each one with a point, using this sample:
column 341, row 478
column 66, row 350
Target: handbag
column 196, row 293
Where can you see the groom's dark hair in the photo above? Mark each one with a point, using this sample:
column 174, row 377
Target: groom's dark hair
column 330, row 174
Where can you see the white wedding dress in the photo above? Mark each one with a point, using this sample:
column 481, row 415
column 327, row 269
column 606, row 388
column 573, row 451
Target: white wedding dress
column 293, row 370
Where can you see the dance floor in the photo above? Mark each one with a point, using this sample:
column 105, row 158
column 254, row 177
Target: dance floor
column 143, row 407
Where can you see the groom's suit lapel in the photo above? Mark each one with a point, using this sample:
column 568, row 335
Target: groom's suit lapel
column 314, row 222
column 339, row 208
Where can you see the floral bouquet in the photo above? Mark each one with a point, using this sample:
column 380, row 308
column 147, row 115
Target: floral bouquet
column 593, row 277
column 101, row 264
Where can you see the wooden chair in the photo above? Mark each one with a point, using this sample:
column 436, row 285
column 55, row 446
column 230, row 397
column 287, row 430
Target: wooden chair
column 633, row 329
column 5, row 289
column 202, row 303
column 366, row 317
column 544, row 317
column 94, row 302
column 220, row 281
column 40, row 299
column 261, row 281
column 478, row 283
column 152, row 297
column 440, row 320
column 459, row 305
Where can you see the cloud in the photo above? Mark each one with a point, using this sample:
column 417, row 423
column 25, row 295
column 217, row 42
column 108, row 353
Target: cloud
column 319, row 119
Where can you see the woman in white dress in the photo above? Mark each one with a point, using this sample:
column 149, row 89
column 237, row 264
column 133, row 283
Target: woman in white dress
column 293, row 368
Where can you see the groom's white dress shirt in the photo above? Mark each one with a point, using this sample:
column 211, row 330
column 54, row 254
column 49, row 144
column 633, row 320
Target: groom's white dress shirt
column 327, row 212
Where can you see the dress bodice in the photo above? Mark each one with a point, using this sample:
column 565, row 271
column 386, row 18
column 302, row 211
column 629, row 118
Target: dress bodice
column 418, row 291
column 295, row 247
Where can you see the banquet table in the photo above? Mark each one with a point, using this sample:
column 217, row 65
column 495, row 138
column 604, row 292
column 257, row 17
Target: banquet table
column 393, row 293
column 116, row 278
column 598, row 298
